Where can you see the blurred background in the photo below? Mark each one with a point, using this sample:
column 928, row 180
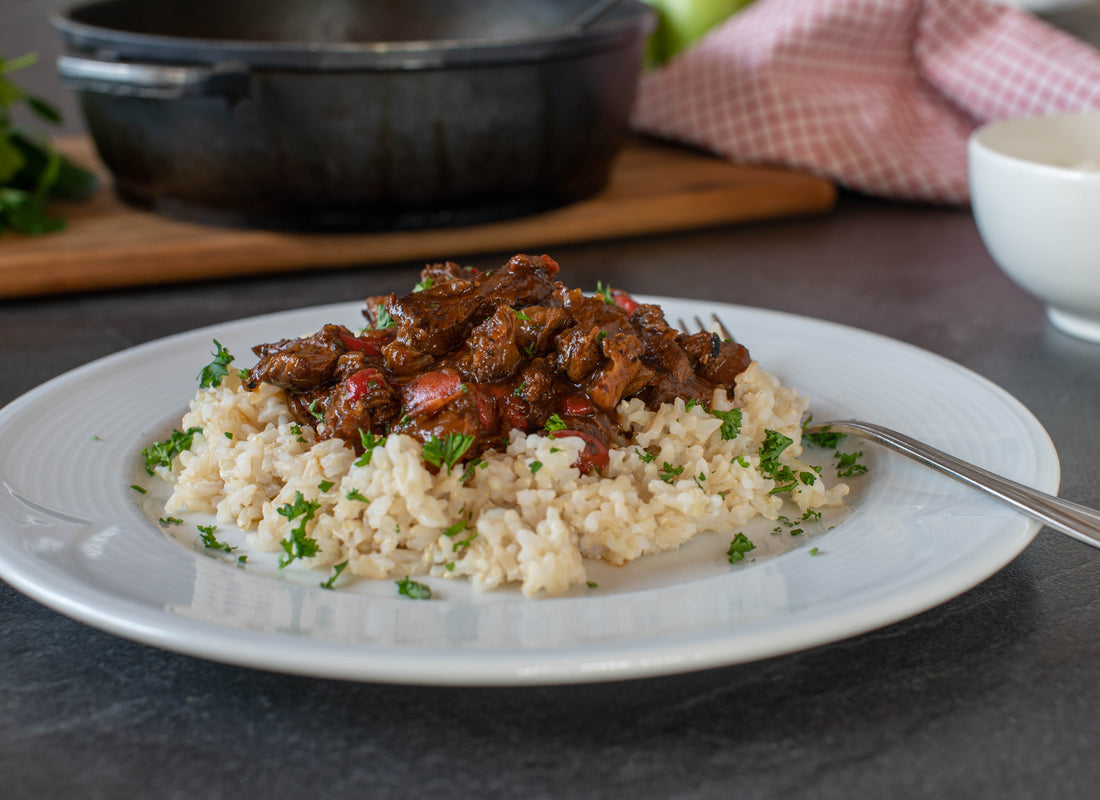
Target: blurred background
column 25, row 27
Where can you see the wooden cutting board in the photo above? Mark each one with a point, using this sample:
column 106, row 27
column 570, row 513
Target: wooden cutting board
column 655, row 188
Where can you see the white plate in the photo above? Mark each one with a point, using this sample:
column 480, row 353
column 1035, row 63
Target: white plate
column 73, row 534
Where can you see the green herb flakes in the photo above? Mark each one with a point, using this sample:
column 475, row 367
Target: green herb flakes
column 212, row 374
column 298, row 544
column 447, row 451
column 739, row 547
column 412, row 589
column 161, row 454
column 336, row 570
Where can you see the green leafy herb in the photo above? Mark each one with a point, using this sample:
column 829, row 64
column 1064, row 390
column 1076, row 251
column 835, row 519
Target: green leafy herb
column 414, row 590
column 298, row 544
column 702, row 476
column 848, row 464
column 555, row 423
column 336, row 570
column 535, row 466
column 324, row 486
column 521, row 316
column 645, row 456
column 474, row 464
column 731, row 422
column 212, row 374
column 313, row 412
column 814, row 551
column 668, row 472
column 137, row 488
column 355, row 494
column 592, row 585
column 739, row 547
column 743, row 461
column 161, row 454
column 210, row 541
column 426, row 283
column 604, row 292
column 369, row 442
column 228, row 435
column 384, row 318
column 770, row 467
column 826, row 439
column 31, row 171
column 244, row 374
column 520, row 389
column 448, row 450
column 170, row 521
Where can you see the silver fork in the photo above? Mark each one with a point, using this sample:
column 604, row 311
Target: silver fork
column 1073, row 519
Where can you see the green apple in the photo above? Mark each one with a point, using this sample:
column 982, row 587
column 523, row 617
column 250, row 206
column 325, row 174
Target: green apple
column 680, row 23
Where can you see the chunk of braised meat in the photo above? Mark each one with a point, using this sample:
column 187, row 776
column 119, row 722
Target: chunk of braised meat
column 494, row 353
column 622, row 374
column 538, row 326
column 437, row 320
column 716, row 360
column 401, row 359
column 578, row 352
column 363, row 402
column 299, row 364
column 434, row 274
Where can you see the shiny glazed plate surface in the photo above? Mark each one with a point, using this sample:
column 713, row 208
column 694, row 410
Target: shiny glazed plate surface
column 77, row 538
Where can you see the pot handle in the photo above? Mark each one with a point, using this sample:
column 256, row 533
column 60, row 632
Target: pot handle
column 155, row 81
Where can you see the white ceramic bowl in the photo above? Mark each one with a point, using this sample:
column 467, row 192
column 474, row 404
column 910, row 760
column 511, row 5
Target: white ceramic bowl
column 1035, row 191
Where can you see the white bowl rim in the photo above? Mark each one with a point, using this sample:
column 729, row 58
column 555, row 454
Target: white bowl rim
column 978, row 144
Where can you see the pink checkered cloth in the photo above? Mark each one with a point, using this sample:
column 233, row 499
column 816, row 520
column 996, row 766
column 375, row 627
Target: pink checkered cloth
column 876, row 95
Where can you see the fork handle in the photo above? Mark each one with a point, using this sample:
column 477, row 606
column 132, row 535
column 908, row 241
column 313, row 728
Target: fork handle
column 1073, row 519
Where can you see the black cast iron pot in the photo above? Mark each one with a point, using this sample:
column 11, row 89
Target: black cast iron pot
column 355, row 114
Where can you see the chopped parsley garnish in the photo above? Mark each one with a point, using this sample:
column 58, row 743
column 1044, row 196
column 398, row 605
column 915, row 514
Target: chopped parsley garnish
column 604, row 292
column 554, row 423
column 742, row 461
column 520, row 389
column 427, row 283
column 471, row 466
column 212, row 374
column 336, row 570
column 521, row 316
column 298, row 544
column 848, row 464
column 448, row 450
column 814, row 551
column 384, row 318
column 773, row 446
column 453, row 530
column 668, row 472
column 369, row 442
column 535, row 466
column 161, row 454
column 827, row 439
column 702, row 476
column 738, row 547
column 592, row 585
column 244, row 374
column 324, row 486
column 355, row 494
column 414, row 590
column 137, row 488
column 228, row 435
column 210, row 541
column 313, row 412
column 645, row 456
column 170, row 521
column 731, row 422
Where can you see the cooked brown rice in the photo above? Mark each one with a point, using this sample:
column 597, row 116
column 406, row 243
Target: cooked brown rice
column 534, row 525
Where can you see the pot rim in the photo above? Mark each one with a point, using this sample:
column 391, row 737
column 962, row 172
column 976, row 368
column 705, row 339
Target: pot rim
column 123, row 45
